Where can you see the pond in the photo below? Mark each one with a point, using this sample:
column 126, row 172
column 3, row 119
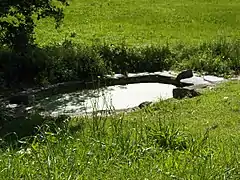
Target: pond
column 119, row 97
column 137, row 89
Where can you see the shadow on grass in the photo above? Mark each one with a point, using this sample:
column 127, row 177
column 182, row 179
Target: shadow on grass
column 26, row 126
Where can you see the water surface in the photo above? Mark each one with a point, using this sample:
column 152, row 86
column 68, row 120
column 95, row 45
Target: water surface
column 117, row 97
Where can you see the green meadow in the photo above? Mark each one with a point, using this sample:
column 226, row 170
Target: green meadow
column 144, row 22
column 193, row 138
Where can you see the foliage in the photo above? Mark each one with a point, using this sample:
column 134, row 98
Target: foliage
column 17, row 20
column 69, row 61
column 122, row 58
column 218, row 57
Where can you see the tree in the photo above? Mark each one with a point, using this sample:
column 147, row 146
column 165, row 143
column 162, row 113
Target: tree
column 17, row 20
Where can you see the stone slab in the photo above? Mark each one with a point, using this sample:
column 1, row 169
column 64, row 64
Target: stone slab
column 195, row 80
column 213, row 79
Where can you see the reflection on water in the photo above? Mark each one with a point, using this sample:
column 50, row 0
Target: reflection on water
column 113, row 97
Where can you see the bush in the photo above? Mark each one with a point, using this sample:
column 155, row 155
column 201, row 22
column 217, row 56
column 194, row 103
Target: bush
column 68, row 61
column 51, row 65
column 219, row 57
column 125, row 59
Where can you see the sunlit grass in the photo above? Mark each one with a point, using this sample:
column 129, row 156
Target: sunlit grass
column 139, row 22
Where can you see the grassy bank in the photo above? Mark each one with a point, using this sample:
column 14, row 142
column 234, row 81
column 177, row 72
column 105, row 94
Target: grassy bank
column 144, row 22
column 189, row 139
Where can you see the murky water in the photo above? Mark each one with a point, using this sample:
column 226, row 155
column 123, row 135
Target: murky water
column 109, row 98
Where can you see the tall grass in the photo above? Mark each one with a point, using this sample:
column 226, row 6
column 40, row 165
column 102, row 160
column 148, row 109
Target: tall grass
column 106, row 148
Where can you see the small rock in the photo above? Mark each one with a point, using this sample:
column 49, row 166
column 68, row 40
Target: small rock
column 184, row 75
column 144, row 104
column 180, row 93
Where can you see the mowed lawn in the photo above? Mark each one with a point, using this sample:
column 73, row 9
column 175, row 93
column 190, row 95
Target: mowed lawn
column 141, row 22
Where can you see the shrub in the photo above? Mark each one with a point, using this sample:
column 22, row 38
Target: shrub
column 68, row 61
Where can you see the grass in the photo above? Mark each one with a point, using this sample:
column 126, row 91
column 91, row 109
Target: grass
column 144, row 22
column 189, row 139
